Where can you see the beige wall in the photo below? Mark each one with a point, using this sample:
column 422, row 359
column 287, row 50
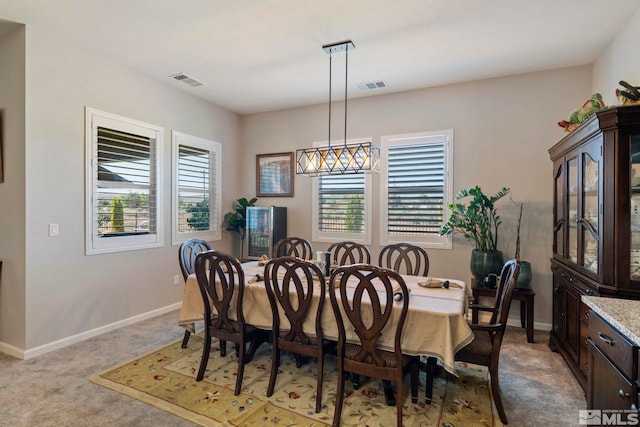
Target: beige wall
column 69, row 296
column 620, row 61
column 502, row 130
column 12, row 190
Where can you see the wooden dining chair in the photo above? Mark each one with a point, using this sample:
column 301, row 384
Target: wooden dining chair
column 221, row 278
column 293, row 246
column 370, row 316
column 405, row 258
column 346, row 253
column 485, row 348
column 292, row 284
column 186, row 258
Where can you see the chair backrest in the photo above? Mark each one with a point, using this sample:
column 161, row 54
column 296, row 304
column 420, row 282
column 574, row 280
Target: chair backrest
column 369, row 315
column 346, row 253
column 187, row 255
column 504, row 294
column 219, row 276
column 405, row 259
column 291, row 284
column 293, row 246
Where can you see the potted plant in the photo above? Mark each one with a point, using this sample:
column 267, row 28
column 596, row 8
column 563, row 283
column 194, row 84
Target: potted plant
column 524, row 278
column 478, row 221
column 236, row 221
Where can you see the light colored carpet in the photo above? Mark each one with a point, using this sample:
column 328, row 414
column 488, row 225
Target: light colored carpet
column 165, row 379
column 54, row 389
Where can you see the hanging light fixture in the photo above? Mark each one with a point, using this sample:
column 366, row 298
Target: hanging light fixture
column 338, row 159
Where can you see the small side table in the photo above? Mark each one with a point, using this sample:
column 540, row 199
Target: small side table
column 525, row 296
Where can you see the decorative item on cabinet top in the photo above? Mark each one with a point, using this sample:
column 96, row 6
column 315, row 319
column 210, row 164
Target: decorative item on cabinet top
column 629, row 95
column 579, row 115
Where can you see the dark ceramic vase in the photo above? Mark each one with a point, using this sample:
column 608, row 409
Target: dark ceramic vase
column 483, row 264
column 524, row 278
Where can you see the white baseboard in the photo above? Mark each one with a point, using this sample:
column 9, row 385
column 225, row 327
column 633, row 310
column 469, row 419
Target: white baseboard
column 46, row 348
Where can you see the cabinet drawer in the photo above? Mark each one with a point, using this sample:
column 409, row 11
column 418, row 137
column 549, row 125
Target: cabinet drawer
column 613, row 345
column 608, row 388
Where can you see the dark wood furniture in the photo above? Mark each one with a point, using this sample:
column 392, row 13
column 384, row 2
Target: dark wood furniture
column 290, row 284
column 485, row 348
column 611, row 384
column 405, row 259
column 596, row 225
column 345, row 253
column 525, row 296
column 186, row 258
column 369, row 319
column 220, row 276
column 293, row 246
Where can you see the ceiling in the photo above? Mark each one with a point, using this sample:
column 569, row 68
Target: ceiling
column 261, row 55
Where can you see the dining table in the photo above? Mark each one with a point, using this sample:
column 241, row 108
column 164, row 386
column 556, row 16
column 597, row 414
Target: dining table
column 436, row 325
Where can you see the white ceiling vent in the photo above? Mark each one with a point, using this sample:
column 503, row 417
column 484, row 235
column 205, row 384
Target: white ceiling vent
column 372, row 85
column 186, row 79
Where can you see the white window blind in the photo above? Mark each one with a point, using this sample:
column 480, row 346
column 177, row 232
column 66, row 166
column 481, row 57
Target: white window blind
column 123, row 195
column 341, row 206
column 416, row 187
column 126, row 199
column 196, row 176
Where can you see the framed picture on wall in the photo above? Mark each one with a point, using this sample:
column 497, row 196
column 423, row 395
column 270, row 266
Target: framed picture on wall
column 274, row 175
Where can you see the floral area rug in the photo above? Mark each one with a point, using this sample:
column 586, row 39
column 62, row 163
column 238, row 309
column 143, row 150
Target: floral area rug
column 165, row 378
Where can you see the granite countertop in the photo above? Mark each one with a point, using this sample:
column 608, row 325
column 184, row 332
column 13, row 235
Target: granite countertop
column 622, row 314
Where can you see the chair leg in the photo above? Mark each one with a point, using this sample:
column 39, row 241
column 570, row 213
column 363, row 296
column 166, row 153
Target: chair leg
column 241, row 362
column 399, row 399
column 223, row 348
column 275, row 364
column 206, row 349
column 319, row 375
column 337, row 414
column 185, row 340
column 495, row 392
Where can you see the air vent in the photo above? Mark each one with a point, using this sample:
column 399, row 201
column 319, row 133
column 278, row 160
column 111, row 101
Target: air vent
column 372, row 85
column 186, row 79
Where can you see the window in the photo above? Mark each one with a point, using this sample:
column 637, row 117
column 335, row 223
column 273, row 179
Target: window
column 341, row 207
column 196, row 193
column 122, row 183
column 416, row 188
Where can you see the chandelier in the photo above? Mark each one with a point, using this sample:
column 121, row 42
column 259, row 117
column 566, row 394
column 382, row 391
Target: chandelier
column 344, row 158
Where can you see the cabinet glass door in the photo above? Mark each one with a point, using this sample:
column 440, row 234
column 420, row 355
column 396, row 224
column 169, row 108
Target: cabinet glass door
column 572, row 166
column 590, row 220
column 635, row 207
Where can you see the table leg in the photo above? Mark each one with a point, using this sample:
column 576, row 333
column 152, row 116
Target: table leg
column 474, row 311
column 530, row 319
column 523, row 310
column 431, row 372
column 389, row 395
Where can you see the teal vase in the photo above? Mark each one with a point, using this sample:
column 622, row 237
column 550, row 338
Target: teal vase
column 524, row 278
column 483, row 264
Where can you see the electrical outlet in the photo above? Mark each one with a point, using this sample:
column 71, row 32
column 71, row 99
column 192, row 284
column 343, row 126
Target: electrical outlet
column 176, row 280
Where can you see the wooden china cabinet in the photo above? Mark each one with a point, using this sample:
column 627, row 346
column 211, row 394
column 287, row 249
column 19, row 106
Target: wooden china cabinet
column 596, row 225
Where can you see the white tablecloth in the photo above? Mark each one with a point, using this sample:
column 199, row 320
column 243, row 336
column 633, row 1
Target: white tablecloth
column 435, row 326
